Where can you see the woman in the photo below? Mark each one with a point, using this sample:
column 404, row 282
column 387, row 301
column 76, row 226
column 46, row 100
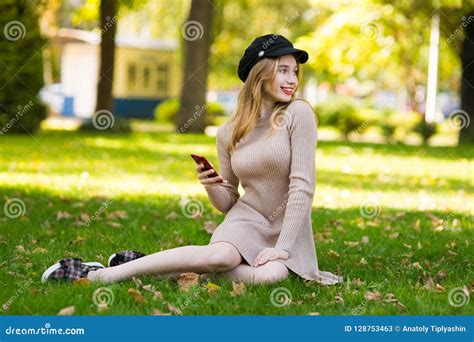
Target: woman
column 269, row 146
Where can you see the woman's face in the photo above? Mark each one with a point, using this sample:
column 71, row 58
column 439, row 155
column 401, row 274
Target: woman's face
column 285, row 81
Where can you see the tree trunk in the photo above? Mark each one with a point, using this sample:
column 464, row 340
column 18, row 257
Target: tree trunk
column 107, row 55
column 197, row 34
column 467, row 85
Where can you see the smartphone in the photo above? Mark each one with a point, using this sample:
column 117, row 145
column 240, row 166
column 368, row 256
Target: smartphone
column 207, row 166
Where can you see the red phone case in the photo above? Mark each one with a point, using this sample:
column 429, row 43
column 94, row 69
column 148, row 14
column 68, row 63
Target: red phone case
column 207, row 166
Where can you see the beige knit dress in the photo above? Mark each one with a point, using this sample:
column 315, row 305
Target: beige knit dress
column 278, row 177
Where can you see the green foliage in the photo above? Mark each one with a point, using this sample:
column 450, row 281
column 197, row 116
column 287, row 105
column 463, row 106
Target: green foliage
column 426, row 130
column 166, row 111
column 343, row 113
column 392, row 122
column 119, row 126
column 21, row 61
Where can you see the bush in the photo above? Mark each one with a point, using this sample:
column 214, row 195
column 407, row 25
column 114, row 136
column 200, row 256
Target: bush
column 166, row 111
column 342, row 113
column 22, row 71
column 119, row 126
column 426, row 130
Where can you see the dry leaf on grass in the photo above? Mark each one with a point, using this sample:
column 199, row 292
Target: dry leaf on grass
column 81, row 281
column 212, row 288
column 369, row 295
column 62, row 215
column 429, row 284
column 187, row 280
column 237, row 289
column 121, row 214
column 67, row 311
column 172, row 216
column 157, row 312
column 173, row 309
column 210, row 226
column 137, row 296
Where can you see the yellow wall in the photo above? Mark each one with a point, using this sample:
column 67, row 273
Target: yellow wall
column 142, row 59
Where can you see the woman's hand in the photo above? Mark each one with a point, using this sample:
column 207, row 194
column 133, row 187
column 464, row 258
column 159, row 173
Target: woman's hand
column 269, row 254
column 202, row 176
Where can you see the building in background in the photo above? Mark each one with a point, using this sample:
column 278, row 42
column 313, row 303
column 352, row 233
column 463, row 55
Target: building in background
column 146, row 72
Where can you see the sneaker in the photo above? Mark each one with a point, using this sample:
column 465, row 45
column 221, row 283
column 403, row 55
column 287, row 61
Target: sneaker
column 123, row 257
column 70, row 269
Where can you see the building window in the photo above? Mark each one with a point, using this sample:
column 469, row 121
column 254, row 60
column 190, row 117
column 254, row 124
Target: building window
column 163, row 77
column 146, row 77
column 131, row 75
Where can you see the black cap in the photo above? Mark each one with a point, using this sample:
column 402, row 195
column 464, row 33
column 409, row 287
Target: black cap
column 269, row 45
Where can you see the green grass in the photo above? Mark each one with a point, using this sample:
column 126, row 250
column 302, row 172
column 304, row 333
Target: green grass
column 422, row 197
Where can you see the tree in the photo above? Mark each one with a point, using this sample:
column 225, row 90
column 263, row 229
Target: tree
column 197, row 35
column 467, row 83
column 21, row 63
column 107, row 55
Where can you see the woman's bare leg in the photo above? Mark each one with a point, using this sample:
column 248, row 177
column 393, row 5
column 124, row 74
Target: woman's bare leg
column 216, row 257
column 270, row 272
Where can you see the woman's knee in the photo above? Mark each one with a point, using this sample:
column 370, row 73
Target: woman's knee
column 223, row 256
column 270, row 272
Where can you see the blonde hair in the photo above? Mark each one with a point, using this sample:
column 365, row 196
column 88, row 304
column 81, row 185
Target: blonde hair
column 250, row 99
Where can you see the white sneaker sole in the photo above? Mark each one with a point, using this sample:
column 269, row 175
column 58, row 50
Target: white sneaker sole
column 51, row 269
column 110, row 259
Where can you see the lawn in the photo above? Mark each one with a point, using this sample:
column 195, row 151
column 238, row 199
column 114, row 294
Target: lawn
column 395, row 221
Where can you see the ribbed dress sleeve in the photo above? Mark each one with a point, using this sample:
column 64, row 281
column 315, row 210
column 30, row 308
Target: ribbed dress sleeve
column 224, row 195
column 303, row 140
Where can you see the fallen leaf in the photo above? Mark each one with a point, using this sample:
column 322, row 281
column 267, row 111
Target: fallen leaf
column 363, row 261
column 121, row 214
column 60, row 215
column 212, row 288
column 210, row 226
column 81, row 281
column 351, row 243
column 85, row 217
column 172, row 216
column 332, row 253
column 237, row 289
column 67, row 311
column 429, row 284
column 137, row 282
column 417, row 226
column 394, row 236
column 137, row 296
column 314, row 314
column 365, row 239
column 40, row 250
column 369, row 295
column 339, row 299
column 357, row 282
column 173, row 309
column 114, row 224
column 439, row 288
column 157, row 312
column 186, row 280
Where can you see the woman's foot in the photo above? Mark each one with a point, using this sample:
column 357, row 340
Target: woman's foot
column 123, row 257
column 70, row 269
